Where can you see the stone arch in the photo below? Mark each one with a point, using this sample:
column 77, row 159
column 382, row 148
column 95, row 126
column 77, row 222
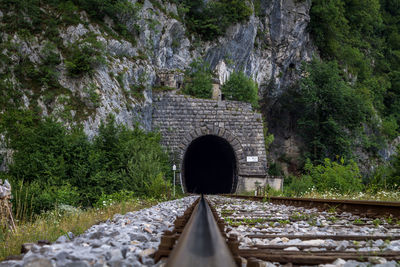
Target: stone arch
column 220, row 132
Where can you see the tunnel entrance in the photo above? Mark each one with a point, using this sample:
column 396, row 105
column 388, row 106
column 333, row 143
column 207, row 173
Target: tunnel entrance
column 209, row 166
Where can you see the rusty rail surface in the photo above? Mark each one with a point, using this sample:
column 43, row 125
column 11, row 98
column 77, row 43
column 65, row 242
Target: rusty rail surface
column 200, row 243
column 367, row 208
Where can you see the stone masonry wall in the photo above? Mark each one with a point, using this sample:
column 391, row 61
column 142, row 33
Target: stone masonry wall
column 181, row 119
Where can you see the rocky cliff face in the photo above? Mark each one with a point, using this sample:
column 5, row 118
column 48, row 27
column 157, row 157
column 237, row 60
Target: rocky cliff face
column 269, row 48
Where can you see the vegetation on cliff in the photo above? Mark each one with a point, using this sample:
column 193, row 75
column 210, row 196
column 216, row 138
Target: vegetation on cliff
column 363, row 37
column 240, row 87
column 198, row 80
column 347, row 102
column 210, row 19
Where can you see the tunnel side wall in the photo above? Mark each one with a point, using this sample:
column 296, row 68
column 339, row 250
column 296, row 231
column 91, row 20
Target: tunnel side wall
column 181, row 119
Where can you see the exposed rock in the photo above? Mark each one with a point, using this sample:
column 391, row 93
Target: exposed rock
column 77, row 264
column 292, row 249
column 391, row 150
column 26, row 247
column 377, row 260
column 313, row 242
column 147, row 252
column 38, row 262
column 62, row 239
column 148, row 230
column 339, row 262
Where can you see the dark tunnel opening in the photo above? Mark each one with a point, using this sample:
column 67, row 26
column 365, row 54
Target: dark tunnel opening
column 209, row 166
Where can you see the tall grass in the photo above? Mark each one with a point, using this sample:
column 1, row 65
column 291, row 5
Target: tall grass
column 50, row 225
column 23, row 203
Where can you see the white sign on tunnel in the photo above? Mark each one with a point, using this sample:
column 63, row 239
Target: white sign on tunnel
column 252, row 159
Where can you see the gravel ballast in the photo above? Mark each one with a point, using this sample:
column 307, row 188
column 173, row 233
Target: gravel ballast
column 125, row 240
column 291, row 225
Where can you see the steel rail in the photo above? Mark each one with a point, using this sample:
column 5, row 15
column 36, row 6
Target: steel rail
column 201, row 242
column 359, row 207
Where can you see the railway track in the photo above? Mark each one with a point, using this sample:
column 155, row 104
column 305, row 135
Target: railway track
column 264, row 233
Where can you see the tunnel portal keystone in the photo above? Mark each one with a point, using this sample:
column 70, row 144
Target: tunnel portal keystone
column 181, row 120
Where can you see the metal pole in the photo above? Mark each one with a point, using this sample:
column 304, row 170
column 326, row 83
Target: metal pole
column 174, row 183
column 174, row 169
column 180, row 179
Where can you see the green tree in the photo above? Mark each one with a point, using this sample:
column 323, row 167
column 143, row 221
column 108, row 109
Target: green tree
column 328, row 25
column 241, row 88
column 363, row 36
column 331, row 112
column 210, row 19
column 198, row 80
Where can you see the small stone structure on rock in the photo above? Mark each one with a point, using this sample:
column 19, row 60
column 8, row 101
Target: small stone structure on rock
column 169, row 78
column 216, row 90
column 7, row 219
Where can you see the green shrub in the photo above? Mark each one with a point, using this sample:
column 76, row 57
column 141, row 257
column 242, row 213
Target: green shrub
column 57, row 165
column 158, row 186
column 48, row 65
column 46, row 197
column 334, row 176
column 296, row 186
column 84, row 56
column 386, row 176
column 275, row 169
column 98, row 9
column 390, row 127
column 393, row 181
column 211, row 19
column 241, row 88
column 332, row 112
column 198, row 80
column 380, row 178
column 117, row 197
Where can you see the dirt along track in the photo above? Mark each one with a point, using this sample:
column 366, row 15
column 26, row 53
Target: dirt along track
column 261, row 233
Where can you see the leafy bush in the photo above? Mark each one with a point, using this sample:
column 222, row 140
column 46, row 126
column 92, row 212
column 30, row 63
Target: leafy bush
column 100, row 8
column 275, row 169
column 210, row 19
column 198, row 80
column 84, row 56
column 296, row 186
column 390, row 127
column 386, row 176
column 334, row 176
column 331, row 111
column 62, row 166
column 158, row 187
column 117, row 197
column 379, row 179
column 241, row 88
column 394, row 179
column 48, row 65
column 33, row 15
